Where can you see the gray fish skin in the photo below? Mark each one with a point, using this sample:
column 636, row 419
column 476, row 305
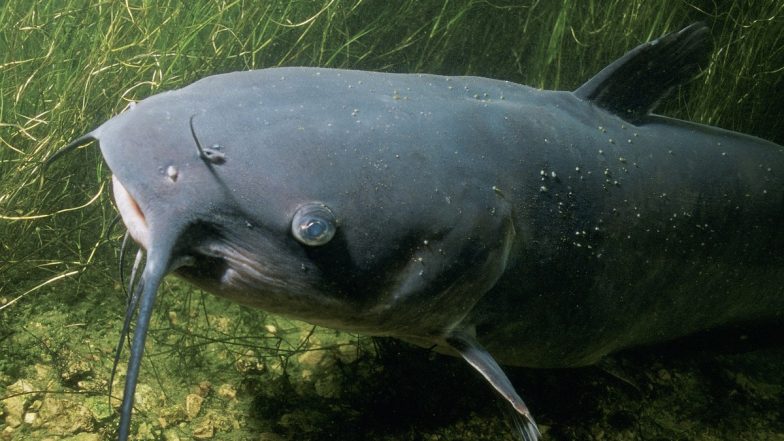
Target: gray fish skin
column 482, row 217
column 669, row 229
column 692, row 225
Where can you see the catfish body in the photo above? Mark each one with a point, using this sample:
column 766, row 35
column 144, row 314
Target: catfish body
column 657, row 231
column 480, row 217
column 622, row 233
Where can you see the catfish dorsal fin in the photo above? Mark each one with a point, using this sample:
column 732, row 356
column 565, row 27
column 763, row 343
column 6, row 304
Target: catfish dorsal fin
column 633, row 85
column 481, row 360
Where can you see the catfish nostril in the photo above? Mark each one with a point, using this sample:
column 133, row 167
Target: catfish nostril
column 213, row 154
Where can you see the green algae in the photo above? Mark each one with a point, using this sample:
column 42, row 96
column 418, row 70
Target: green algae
column 67, row 65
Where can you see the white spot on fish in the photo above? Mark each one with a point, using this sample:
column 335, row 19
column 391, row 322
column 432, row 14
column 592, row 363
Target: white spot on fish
column 171, row 173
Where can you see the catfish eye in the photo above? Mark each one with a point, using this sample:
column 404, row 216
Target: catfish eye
column 313, row 224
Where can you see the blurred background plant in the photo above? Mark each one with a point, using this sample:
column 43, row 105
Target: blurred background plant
column 68, row 65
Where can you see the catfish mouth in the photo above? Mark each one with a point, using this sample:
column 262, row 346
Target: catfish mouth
column 131, row 214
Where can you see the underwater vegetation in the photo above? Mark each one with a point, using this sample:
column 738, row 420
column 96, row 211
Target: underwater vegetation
column 218, row 371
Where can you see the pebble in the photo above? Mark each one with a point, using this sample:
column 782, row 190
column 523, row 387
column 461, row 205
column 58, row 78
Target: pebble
column 193, row 404
column 227, row 391
column 312, row 358
column 348, row 353
column 30, row 417
column 204, row 431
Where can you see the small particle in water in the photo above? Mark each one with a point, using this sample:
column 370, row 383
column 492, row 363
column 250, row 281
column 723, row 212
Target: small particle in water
column 552, row 174
column 622, row 160
column 601, row 152
column 611, row 141
column 577, row 169
column 542, row 188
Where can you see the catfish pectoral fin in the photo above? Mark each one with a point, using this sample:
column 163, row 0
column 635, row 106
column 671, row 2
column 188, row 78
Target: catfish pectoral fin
column 485, row 364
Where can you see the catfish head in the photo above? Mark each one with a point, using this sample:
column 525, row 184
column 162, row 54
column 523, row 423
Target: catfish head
column 281, row 190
